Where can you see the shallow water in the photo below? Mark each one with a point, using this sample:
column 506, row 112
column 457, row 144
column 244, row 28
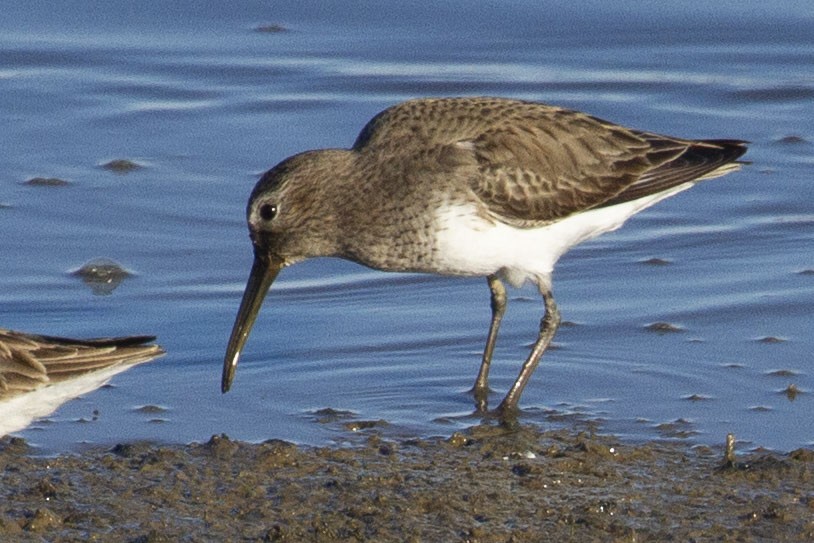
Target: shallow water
column 205, row 98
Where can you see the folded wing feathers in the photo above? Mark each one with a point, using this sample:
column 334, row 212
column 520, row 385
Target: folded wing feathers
column 540, row 163
column 29, row 361
column 699, row 160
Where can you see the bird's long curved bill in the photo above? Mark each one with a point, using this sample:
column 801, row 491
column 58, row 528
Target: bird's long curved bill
column 264, row 270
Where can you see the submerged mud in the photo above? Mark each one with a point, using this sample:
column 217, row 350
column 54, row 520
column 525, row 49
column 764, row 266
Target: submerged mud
column 489, row 484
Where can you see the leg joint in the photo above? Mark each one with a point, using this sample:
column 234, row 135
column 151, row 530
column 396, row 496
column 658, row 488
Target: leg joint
column 498, row 294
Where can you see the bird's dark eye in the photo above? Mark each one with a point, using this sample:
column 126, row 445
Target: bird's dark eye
column 268, row 211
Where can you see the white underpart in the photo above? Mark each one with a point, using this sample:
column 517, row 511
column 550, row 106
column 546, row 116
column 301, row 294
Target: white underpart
column 469, row 244
column 21, row 410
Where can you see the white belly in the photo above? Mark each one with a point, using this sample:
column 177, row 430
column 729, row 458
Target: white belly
column 18, row 412
column 471, row 245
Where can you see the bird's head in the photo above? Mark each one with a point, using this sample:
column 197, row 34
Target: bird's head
column 290, row 218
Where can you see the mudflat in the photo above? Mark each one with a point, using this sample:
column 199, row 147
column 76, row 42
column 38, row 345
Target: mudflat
column 488, row 484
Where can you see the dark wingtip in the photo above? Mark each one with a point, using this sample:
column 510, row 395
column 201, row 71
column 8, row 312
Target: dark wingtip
column 733, row 149
column 124, row 341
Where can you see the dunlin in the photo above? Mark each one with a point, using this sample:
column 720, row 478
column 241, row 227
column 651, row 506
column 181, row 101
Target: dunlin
column 467, row 187
column 38, row 373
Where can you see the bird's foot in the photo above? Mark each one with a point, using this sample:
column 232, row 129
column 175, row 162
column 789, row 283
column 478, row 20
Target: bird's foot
column 502, row 416
column 507, row 413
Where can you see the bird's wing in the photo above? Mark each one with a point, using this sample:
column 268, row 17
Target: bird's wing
column 537, row 164
column 700, row 159
column 29, row 361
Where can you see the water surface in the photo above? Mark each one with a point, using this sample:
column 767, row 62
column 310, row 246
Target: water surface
column 204, row 98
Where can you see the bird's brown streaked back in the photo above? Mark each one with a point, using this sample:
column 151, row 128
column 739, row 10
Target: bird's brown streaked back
column 539, row 163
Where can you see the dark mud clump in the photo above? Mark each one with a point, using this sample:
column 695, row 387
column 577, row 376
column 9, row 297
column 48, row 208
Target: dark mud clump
column 488, row 484
column 769, row 340
column 102, row 275
column 270, row 28
column 663, row 328
column 792, row 139
column 656, row 262
column 121, row 166
column 46, row 182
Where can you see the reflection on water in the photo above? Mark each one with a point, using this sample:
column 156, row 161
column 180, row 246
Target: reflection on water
column 192, row 102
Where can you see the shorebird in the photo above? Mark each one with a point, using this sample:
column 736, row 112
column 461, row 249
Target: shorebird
column 466, row 187
column 39, row 373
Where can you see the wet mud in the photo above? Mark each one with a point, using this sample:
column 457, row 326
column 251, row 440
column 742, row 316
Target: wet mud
column 102, row 275
column 46, row 182
column 121, row 166
column 489, row 484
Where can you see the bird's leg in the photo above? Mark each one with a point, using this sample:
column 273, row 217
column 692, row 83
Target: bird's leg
column 481, row 388
column 548, row 327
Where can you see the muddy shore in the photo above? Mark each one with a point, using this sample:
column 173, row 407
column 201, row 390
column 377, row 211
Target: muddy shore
column 489, row 484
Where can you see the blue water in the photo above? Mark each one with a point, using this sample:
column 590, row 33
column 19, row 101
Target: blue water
column 205, row 101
